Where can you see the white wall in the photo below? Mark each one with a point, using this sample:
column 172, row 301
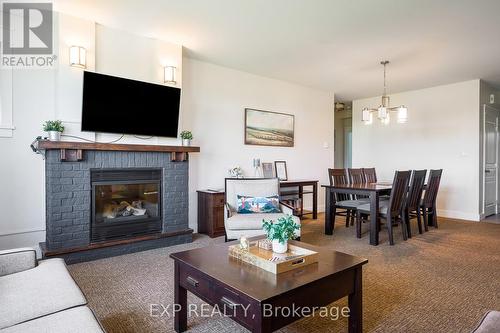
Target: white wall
column 22, row 190
column 442, row 132
column 214, row 99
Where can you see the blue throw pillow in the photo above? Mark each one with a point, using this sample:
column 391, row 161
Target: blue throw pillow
column 251, row 205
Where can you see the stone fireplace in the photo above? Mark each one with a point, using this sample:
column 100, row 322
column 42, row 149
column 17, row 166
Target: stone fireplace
column 102, row 202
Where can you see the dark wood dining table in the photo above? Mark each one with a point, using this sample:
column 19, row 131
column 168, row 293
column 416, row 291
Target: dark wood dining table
column 371, row 190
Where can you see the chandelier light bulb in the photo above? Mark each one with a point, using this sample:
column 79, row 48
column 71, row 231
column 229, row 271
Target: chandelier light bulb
column 402, row 114
column 386, row 120
column 382, row 112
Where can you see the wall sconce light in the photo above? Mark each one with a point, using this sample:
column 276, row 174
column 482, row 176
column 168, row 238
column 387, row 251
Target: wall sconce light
column 78, row 56
column 169, row 74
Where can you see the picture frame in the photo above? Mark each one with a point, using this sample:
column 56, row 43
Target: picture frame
column 281, row 170
column 267, row 170
column 268, row 128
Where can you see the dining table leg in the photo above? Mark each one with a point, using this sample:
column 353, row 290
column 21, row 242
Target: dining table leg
column 374, row 201
column 329, row 211
column 315, row 201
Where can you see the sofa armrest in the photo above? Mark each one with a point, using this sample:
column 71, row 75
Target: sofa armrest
column 228, row 210
column 286, row 208
column 17, row 260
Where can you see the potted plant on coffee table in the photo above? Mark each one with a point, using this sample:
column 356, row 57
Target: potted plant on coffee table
column 54, row 128
column 186, row 136
column 280, row 231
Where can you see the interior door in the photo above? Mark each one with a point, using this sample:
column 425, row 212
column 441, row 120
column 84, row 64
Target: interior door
column 490, row 161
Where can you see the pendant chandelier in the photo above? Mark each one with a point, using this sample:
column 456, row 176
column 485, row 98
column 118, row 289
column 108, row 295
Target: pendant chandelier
column 384, row 110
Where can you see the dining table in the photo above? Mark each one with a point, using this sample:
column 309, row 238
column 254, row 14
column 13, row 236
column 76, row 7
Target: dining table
column 371, row 190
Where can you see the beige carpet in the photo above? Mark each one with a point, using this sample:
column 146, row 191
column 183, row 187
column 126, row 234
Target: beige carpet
column 441, row 281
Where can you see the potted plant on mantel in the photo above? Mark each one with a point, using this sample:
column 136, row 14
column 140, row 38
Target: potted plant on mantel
column 54, row 128
column 280, row 232
column 186, row 136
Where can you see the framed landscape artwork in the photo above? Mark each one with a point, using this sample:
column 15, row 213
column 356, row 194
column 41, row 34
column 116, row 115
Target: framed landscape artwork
column 266, row 128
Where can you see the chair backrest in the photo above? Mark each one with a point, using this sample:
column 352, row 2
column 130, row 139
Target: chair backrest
column 356, row 176
column 416, row 188
column 338, row 177
column 253, row 187
column 431, row 191
column 398, row 192
column 370, row 175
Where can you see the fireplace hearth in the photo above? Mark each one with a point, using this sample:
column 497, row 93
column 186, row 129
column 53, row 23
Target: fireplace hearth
column 125, row 203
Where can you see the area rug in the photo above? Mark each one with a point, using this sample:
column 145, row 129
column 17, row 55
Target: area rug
column 441, row 281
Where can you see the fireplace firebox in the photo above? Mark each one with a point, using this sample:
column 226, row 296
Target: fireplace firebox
column 126, row 203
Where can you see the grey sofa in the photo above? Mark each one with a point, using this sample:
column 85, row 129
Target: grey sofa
column 41, row 296
column 250, row 225
column 489, row 324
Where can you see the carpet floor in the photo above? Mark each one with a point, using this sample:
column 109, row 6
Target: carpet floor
column 441, row 281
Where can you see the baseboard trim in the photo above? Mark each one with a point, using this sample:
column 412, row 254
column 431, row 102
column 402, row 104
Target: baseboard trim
column 457, row 215
column 20, row 232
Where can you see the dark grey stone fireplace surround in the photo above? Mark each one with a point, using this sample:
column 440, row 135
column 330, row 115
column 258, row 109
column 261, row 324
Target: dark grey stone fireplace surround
column 68, row 199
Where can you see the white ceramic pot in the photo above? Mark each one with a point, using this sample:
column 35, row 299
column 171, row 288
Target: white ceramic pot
column 279, row 247
column 54, row 136
column 186, row 142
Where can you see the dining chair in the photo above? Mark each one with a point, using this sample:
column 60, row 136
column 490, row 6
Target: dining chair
column 369, row 175
column 390, row 210
column 428, row 204
column 356, row 176
column 412, row 206
column 343, row 201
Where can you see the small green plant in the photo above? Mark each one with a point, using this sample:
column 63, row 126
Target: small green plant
column 282, row 230
column 186, row 135
column 53, row 125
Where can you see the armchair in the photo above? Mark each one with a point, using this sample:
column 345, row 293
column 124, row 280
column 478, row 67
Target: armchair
column 250, row 225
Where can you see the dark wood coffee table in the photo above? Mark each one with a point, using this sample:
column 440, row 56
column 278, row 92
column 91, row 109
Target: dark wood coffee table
column 234, row 286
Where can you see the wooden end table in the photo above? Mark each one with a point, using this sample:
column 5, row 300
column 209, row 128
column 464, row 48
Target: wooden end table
column 300, row 184
column 244, row 292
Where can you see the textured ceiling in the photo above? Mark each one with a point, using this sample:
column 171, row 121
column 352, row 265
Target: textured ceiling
column 331, row 45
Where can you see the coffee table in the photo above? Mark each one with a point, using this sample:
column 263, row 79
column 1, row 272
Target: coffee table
column 249, row 294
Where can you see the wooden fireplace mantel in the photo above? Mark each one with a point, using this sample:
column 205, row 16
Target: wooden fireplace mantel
column 72, row 151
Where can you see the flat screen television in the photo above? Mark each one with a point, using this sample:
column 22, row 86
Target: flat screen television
column 116, row 105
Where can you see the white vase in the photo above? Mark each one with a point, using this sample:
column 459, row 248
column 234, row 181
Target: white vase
column 279, row 247
column 186, row 142
column 54, row 136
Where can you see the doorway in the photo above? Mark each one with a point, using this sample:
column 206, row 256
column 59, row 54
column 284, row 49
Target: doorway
column 343, row 135
column 490, row 155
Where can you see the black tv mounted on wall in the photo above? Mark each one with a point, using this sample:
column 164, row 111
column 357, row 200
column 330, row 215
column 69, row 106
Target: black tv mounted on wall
column 123, row 106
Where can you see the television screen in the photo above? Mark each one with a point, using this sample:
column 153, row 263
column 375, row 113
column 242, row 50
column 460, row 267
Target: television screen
column 123, row 106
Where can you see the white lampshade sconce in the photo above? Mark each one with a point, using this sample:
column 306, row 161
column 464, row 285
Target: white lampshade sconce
column 169, row 74
column 78, row 57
